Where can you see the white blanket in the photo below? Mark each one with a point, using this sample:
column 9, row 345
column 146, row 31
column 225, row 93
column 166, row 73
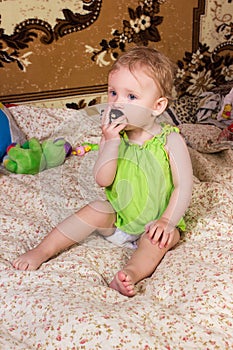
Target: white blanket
column 66, row 303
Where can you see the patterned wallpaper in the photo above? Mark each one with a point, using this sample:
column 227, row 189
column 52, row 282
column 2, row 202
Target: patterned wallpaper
column 57, row 49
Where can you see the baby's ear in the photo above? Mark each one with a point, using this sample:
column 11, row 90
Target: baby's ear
column 160, row 106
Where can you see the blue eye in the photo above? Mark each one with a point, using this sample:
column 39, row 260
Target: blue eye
column 112, row 93
column 132, row 97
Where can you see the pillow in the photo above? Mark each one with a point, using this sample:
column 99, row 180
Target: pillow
column 204, row 138
column 76, row 126
column 9, row 131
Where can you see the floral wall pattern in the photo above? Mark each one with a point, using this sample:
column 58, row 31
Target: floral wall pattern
column 210, row 64
column 141, row 28
column 64, row 48
column 26, row 31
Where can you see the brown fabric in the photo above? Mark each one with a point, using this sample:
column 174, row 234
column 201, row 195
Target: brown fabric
column 56, row 49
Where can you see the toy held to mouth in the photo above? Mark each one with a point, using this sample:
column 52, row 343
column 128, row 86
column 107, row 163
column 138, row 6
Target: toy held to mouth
column 115, row 114
column 125, row 113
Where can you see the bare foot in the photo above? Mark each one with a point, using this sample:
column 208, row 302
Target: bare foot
column 31, row 260
column 122, row 282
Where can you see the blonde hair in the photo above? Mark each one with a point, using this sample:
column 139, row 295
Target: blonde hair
column 155, row 63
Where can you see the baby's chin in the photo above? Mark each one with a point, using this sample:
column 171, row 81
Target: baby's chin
column 129, row 127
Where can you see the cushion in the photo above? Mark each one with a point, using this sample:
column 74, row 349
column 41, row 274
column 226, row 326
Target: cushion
column 204, row 138
column 9, row 131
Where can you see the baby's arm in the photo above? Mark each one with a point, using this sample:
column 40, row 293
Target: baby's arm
column 106, row 164
column 182, row 174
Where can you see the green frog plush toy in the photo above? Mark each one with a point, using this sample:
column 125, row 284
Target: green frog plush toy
column 33, row 157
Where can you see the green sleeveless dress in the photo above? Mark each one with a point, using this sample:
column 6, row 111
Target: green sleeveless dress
column 143, row 183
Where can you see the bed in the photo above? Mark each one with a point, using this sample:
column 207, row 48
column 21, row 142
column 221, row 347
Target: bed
column 187, row 303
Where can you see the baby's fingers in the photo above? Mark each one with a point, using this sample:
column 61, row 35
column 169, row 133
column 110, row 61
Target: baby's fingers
column 155, row 234
column 105, row 115
column 164, row 240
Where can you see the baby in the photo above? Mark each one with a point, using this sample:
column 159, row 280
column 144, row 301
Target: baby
column 145, row 169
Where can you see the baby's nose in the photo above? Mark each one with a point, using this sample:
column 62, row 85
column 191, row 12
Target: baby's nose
column 118, row 104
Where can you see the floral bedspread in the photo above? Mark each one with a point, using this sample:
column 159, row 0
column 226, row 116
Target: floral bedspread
column 66, row 304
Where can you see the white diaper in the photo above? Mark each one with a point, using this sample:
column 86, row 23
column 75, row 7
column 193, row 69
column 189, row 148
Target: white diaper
column 122, row 239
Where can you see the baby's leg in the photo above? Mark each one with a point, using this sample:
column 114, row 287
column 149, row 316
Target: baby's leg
column 54, row 242
column 77, row 227
column 142, row 264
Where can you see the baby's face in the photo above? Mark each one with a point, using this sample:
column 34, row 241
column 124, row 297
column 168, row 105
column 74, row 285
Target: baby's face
column 134, row 93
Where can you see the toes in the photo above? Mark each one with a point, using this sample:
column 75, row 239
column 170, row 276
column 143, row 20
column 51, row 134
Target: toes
column 20, row 265
column 15, row 264
column 24, row 266
column 123, row 284
column 122, row 276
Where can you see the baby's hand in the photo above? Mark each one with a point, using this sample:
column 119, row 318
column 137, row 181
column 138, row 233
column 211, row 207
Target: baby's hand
column 111, row 131
column 160, row 232
column 112, row 127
